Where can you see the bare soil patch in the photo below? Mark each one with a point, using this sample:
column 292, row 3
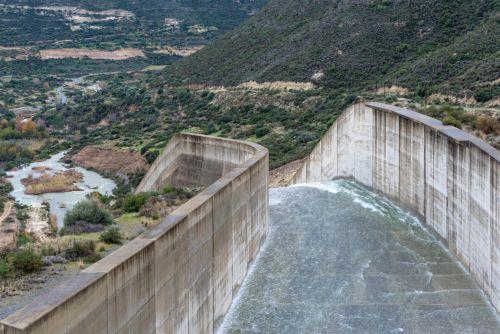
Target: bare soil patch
column 8, row 229
column 120, row 54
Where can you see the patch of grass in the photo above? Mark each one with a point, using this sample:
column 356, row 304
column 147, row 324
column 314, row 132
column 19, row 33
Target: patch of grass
column 488, row 124
column 450, row 120
column 26, row 261
column 7, row 270
column 24, row 239
column 112, row 235
column 80, row 249
column 449, row 115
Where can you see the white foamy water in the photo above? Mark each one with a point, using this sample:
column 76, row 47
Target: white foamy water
column 340, row 259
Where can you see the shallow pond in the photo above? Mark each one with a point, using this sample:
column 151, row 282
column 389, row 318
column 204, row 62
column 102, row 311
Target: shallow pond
column 59, row 202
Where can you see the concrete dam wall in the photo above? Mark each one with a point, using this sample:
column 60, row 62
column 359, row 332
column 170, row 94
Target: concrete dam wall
column 444, row 175
column 180, row 276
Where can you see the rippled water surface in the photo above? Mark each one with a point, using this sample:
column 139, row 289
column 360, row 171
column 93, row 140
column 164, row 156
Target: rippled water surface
column 339, row 259
column 59, row 202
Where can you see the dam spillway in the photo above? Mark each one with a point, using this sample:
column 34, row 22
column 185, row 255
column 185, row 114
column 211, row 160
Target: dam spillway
column 183, row 275
column 341, row 259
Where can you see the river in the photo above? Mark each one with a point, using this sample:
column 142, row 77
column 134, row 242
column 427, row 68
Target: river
column 59, row 202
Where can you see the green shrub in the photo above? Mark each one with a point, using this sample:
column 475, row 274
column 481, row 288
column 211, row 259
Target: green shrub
column 24, row 239
column 6, row 269
column 92, row 258
column 261, row 131
column 48, row 250
column 485, row 94
column 402, row 47
column 350, row 99
column 450, row 120
column 80, row 249
column 27, row 261
column 167, row 190
column 88, row 211
column 133, row 203
column 111, row 236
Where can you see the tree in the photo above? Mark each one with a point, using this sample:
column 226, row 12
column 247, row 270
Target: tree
column 28, row 126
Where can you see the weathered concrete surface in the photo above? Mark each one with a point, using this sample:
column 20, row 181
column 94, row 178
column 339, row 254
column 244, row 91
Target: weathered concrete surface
column 448, row 177
column 180, row 276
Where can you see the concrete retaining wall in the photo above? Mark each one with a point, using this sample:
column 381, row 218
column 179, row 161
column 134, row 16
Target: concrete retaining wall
column 180, row 276
column 446, row 176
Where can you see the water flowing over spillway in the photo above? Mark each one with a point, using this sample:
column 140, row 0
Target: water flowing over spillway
column 339, row 259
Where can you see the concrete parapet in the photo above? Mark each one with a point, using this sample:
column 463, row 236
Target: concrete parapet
column 181, row 275
column 443, row 174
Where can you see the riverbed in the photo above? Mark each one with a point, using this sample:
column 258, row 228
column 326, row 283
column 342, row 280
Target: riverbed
column 59, row 202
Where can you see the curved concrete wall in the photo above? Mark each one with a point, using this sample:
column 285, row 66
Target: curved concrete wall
column 180, row 276
column 446, row 176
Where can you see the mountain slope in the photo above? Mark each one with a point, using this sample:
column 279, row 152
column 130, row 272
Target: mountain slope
column 352, row 44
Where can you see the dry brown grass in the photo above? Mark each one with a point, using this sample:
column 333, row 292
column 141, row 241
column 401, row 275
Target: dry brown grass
column 120, row 54
column 179, row 51
column 441, row 98
column 392, row 90
column 110, row 160
column 488, row 124
column 41, row 168
column 277, row 85
column 60, row 182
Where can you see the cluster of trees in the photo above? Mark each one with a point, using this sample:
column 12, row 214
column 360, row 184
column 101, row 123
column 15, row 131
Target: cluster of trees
column 20, row 129
column 16, row 138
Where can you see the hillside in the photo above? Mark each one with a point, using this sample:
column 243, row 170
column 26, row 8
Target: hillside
column 433, row 45
column 46, row 44
column 33, row 33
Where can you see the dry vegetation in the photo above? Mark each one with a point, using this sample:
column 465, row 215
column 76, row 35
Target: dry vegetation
column 110, row 160
column 179, row 51
column 59, row 182
column 120, row 54
column 277, row 85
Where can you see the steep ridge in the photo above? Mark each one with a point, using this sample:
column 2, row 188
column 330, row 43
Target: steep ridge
column 352, row 44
